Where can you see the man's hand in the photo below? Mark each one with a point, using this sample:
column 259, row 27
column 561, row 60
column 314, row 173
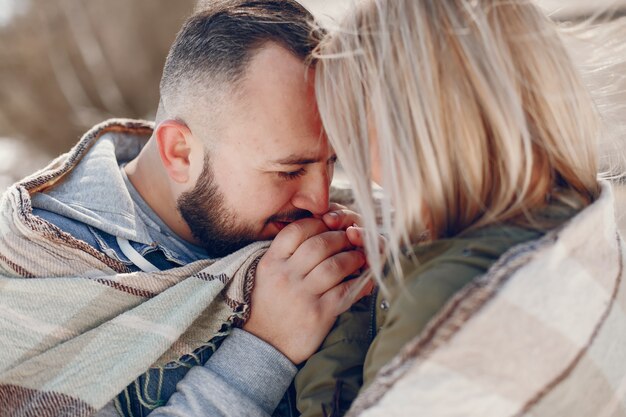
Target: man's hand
column 298, row 290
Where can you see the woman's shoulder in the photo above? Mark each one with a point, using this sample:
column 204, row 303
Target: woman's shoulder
column 445, row 267
column 470, row 253
column 474, row 251
column 442, row 269
column 578, row 264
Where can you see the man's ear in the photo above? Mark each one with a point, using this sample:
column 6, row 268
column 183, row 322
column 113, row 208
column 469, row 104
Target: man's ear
column 173, row 140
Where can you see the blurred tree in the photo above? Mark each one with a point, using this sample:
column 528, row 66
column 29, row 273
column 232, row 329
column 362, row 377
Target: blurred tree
column 67, row 64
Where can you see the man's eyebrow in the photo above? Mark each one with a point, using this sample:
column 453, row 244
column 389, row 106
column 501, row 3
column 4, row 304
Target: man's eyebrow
column 298, row 160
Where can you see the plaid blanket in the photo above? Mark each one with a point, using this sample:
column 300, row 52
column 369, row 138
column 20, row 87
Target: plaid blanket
column 77, row 327
column 543, row 333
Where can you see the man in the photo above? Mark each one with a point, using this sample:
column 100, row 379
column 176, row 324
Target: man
column 237, row 155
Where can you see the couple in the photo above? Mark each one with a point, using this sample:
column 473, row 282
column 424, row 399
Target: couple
column 501, row 287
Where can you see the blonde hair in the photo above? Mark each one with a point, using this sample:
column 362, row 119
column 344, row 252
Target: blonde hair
column 474, row 107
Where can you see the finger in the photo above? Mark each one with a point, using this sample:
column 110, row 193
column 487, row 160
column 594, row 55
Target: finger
column 367, row 289
column 356, row 236
column 341, row 219
column 316, row 249
column 336, row 206
column 333, row 270
column 340, row 298
column 363, row 288
column 291, row 237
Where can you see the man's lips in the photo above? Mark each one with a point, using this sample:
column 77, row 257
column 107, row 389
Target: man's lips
column 281, row 224
column 281, row 220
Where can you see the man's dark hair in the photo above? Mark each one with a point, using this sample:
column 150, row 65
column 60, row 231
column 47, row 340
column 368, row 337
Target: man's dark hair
column 218, row 42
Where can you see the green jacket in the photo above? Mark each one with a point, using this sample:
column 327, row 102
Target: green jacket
column 375, row 329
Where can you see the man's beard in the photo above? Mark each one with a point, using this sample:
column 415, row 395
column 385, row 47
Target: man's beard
column 217, row 230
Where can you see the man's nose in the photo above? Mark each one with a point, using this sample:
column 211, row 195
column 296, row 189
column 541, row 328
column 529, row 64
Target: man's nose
column 313, row 194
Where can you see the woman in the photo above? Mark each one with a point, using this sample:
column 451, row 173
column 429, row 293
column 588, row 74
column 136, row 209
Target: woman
column 504, row 263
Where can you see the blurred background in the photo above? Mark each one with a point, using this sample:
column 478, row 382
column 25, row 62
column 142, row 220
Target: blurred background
column 68, row 64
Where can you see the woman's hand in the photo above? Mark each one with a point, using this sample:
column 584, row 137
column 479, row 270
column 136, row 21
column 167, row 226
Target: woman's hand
column 340, row 217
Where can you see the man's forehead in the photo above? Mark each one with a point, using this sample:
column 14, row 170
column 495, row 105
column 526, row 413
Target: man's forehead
column 303, row 151
column 275, row 71
column 274, row 119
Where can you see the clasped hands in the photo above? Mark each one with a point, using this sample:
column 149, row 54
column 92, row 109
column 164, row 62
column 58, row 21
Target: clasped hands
column 300, row 285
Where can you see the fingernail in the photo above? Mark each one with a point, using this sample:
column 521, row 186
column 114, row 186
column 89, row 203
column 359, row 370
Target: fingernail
column 333, row 216
column 355, row 228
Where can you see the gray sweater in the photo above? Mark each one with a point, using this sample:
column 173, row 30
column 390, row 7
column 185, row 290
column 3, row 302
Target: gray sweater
column 244, row 377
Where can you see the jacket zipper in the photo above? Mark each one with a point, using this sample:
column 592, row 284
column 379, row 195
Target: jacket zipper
column 372, row 330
